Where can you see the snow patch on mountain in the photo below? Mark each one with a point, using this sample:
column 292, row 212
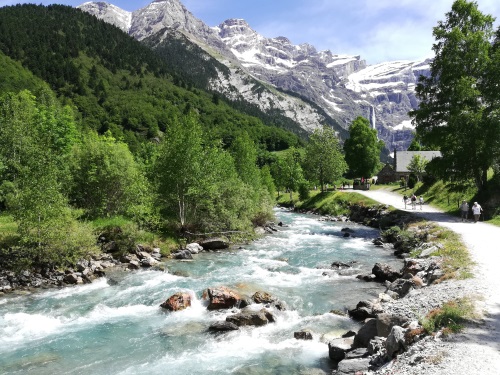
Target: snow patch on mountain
column 109, row 13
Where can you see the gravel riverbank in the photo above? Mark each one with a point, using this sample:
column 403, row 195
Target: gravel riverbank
column 477, row 349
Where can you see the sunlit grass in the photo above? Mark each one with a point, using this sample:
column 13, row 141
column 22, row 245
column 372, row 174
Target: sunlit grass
column 450, row 317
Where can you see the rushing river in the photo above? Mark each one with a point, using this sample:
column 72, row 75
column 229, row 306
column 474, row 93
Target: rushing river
column 115, row 325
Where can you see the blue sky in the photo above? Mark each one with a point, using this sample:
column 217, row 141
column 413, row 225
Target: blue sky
column 378, row 30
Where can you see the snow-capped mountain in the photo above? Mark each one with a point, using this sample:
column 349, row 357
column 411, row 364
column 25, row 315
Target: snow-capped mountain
column 343, row 86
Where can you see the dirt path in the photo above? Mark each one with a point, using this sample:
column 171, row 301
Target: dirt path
column 483, row 242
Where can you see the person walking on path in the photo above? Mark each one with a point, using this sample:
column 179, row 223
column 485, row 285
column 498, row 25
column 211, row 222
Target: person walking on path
column 476, row 211
column 405, row 200
column 413, row 202
column 464, row 210
column 421, row 202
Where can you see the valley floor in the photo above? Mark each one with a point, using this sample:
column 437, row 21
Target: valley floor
column 477, row 349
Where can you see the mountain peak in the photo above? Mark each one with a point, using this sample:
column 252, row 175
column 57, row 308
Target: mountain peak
column 109, row 13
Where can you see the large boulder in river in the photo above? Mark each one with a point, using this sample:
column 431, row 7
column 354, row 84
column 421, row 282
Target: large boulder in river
column 223, row 327
column 385, row 272
column 251, row 318
column 182, row 254
column 177, row 302
column 338, row 348
column 215, row 243
column 194, row 248
column 222, row 298
column 263, row 297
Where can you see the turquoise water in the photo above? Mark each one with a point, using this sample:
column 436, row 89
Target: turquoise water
column 115, row 325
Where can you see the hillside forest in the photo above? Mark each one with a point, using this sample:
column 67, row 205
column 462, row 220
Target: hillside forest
column 99, row 131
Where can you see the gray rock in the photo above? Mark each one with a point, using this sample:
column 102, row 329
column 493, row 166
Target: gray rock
column 194, row 248
column 395, row 341
column 338, row 348
column 215, row 244
column 385, row 272
column 71, row 278
column 353, row 366
column 367, row 332
column 134, row 265
column 303, row 335
column 361, row 313
column 376, row 345
column 250, row 318
column 182, row 254
column 401, row 287
column 223, row 327
column 385, row 322
column 357, row 353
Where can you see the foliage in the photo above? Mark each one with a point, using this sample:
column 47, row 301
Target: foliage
column 453, row 115
column 106, row 179
column 417, row 166
column 287, row 171
column 36, row 139
column 452, row 316
column 304, row 190
column 324, row 161
column 267, row 180
column 118, row 84
column 362, row 148
column 412, row 180
column 200, row 184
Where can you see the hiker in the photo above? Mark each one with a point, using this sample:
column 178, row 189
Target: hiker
column 421, row 201
column 405, row 200
column 413, row 202
column 476, row 211
column 464, row 210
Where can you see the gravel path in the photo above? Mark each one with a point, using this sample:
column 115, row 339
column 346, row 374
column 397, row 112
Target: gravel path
column 477, row 349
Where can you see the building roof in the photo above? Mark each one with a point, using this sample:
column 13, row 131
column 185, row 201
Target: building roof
column 403, row 158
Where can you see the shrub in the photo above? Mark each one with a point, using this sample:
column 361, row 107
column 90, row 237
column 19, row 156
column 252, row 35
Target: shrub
column 450, row 316
column 304, row 191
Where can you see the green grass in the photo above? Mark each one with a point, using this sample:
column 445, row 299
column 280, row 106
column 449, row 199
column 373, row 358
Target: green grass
column 457, row 262
column 451, row 316
column 327, row 203
column 7, row 225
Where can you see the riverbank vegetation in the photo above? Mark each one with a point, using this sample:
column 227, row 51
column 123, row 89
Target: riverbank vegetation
column 115, row 141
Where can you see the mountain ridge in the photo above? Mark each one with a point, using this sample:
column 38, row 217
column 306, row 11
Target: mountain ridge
column 344, row 86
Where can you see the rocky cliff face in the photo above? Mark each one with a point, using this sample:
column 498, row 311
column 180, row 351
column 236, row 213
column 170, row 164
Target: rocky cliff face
column 344, row 86
column 341, row 85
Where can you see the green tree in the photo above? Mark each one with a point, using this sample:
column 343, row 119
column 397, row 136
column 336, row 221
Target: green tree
column 417, row 166
column 179, row 171
column 267, row 180
column 289, row 172
column 362, row 148
column 451, row 116
column 35, row 141
column 106, row 179
column 245, row 159
column 324, row 161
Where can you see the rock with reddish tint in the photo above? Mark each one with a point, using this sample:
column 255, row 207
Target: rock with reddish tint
column 177, row 302
column 222, row 298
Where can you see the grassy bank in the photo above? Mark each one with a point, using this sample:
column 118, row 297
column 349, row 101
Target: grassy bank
column 327, row 203
column 449, row 196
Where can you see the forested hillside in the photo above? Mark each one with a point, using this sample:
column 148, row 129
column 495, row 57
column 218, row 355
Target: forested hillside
column 95, row 128
column 118, row 84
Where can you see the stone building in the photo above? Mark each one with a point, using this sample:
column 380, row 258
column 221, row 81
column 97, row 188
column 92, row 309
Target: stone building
column 399, row 168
